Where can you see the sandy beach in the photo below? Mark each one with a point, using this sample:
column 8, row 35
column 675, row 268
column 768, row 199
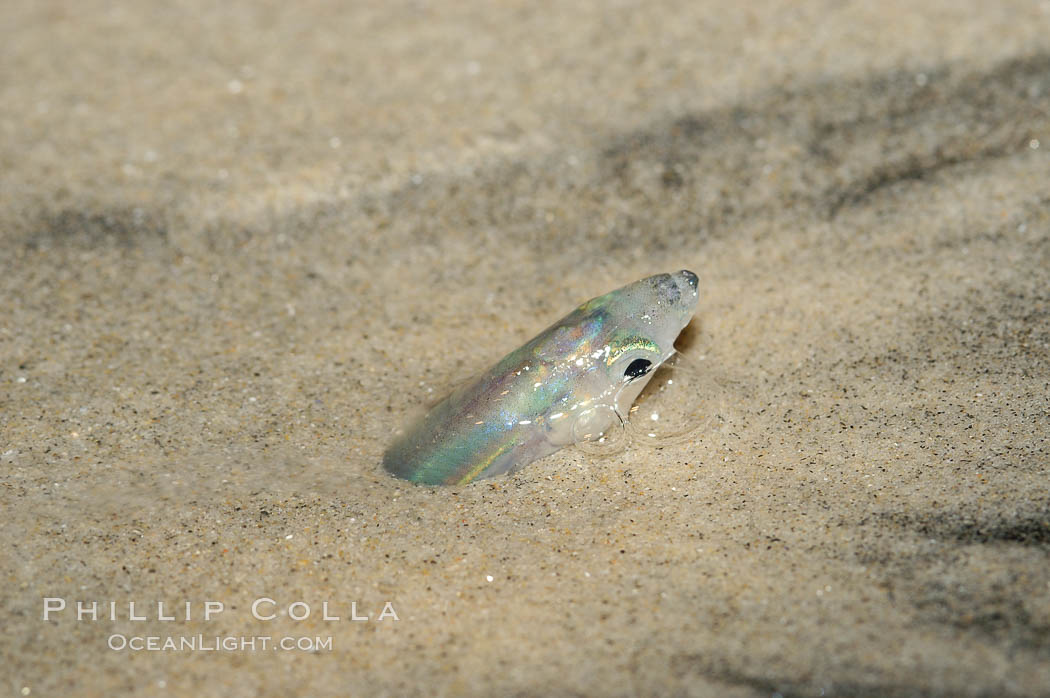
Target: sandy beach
column 243, row 244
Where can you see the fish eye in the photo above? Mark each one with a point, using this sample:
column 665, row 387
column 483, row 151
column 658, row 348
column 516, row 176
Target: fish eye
column 637, row 369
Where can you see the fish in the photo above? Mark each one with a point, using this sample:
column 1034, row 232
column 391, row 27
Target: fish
column 570, row 383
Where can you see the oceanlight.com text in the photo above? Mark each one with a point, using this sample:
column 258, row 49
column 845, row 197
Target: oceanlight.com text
column 217, row 643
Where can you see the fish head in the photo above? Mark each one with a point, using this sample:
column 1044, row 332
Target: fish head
column 642, row 319
column 613, row 343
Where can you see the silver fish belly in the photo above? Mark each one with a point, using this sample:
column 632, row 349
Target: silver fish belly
column 573, row 380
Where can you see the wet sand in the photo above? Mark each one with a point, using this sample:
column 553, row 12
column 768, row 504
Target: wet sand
column 243, row 245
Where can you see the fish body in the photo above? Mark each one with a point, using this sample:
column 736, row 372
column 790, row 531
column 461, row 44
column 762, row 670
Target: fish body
column 569, row 383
